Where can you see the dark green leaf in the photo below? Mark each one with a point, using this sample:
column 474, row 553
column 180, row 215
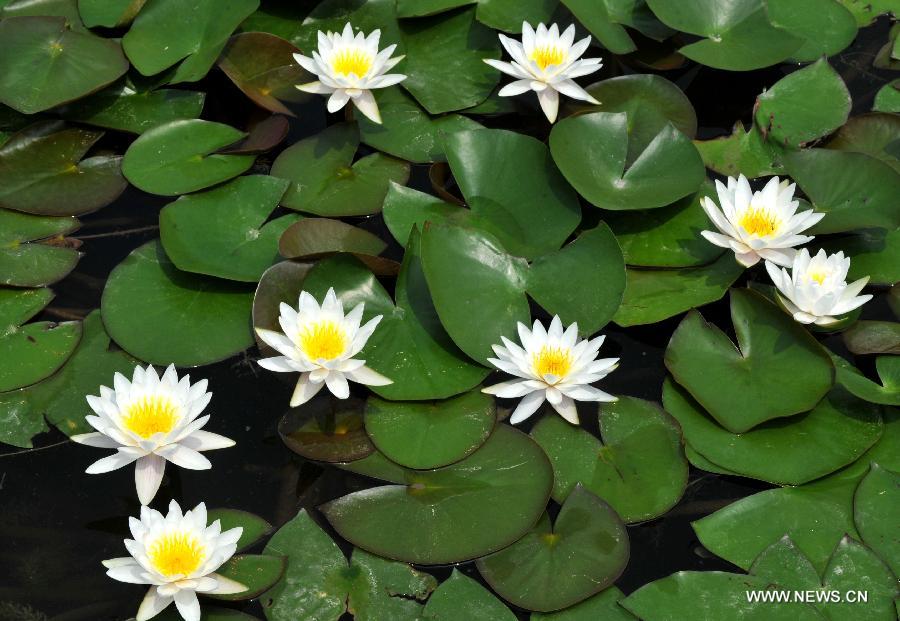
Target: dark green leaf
column 255, row 528
column 327, row 429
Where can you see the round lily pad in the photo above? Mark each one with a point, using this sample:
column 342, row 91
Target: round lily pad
column 409, row 346
column 33, row 251
column 460, row 512
column 790, row 451
column 888, row 97
column 873, row 337
column 162, row 315
column 424, row 435
column 771, row 346
column 315, row 238
column 180, row 157
column 668, row 168
column 44, row 64
column 326, row 429
column 825, row 26
column 638, row 468
column 877, row 499
column 42, row 171
column 556, row 566
column 499, row 284
column 462, row 597
column 257, row 572
column 281, row 283
column 224, row 232
column 255, row 528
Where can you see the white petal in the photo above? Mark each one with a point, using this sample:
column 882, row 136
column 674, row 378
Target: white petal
column 365, row 375
column 153, row 604
column 508, row 390
column 337, row 384
column 188, row 605
column 317, row 88
column 226, row 586
column 587, row 393
column 304, row 390
column 515, row 88
column 717, row 239
column 113, row 462
column 509, row 69
column 366, row 104
column 184, row 457
column 277, row 341
column 206, row 441
column 132, row 574
column 95, row 439
column 566, row 408
column 527, row 406
column 747, row 259
column 337, row 100
column 571, row 89
column 549, row 100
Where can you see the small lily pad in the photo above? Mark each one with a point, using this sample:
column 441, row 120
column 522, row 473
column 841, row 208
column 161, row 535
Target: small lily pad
column 257, row 572
column 873, row 337
column 316, row 238
column 858, row 384
column 163, row 315
column 327, row 430
column 33, row 351
column 255, row 528
column 877, row 499
column 556, row 566
column 742, row 153
column 424, row 435
column 224, row 232
column 888, row 98
column 180, row 157
column 281, row 283
column 462, row 597
column 33, row 251
column 638, row 468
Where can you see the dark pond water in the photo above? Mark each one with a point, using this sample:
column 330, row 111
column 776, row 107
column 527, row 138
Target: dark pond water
column 57, row 523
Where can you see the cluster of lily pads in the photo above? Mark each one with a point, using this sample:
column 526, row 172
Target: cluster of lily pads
column 319, row 257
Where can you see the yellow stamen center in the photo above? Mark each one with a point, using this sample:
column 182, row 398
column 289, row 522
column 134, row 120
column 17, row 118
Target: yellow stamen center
column 176, row 553
column 324, row 340
column 819, row 277
column 760, row 222
column 552, row 360
column 547, row 55
column 352, row 60
column 149, row 415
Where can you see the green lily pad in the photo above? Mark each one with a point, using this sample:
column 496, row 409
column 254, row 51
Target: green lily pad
column 785, row 564
column 424, row 435
column 180, row 157
column 858, row 384
column 331, row 15
column 162, row 315
column 324, row 182
column 782, row 113
column 42, row 171
column 445, row 61
column 20, row 420
column 407, row 131
column 653, row 295
column 498, row 284
column 257, row 572
column 282, row 282
column 462, row 597
column 44, row 64
column 771, row 346
column 668, row 168
column 109, row 13
column 255, row 528
column 668, row 236
column 738, row 36
column 604, row 605
column 556, row 566
column 460, row 512
column 327, row 430
column 315, row 238
column 742, row 153
column 876, row 134
column 128, row 108
column 887, row 99
column 877, row 499
column 224, row 232
column 504, row 15
column 33, row 251
column 825, row 26
column 873, row 252
column 34, row 351
column 509, row 180
column 638, row 468
column 320, row 584
column 711, row 595
column 873, row 337
column 67, row 9
column 790, row 451
column 166, row 32
column 855, row 190
column 263, row 67
column 409, row 346
column 405, row 209
column 376, row 466
column 606, row 20
column 865, row 12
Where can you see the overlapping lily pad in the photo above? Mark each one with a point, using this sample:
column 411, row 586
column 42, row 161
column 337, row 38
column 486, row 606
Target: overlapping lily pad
column 67, row 9
column 42, row 171
column 873, row 337
column 858, row 384
column 825, row 26
column 556, row 566
column 424, row 435
column 638, row 468
column 282, row 282
column 327, row 430
column 258, row 572
column 315, row 238
column 409, row 346
column 500, row 14
column 876, row 134
column 109, row 13
column 667, row 169
column 771, row 347
column 874, row 253
column 326, row 181
column 606, row 20
column 224, row 232
column 44, row 64
column 877, row 499
column 33, row 251
column 255, row 528
column 604, row 605
column 888, row 97
column 742, row 153
column 163, row 315
column 332, row 15
column 461, row 596
column 472, row 508
column 582, row 282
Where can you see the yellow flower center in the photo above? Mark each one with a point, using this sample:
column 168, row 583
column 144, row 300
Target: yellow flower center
column 149, row 415
column 324, row 340
column 552, row 360
column 547, row 55
column 819, row 277
column 352, row 60
column 176, row 554
column 760, row 222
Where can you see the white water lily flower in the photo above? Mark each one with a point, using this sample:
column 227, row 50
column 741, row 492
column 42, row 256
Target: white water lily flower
column 348, row 68
column 319, row 342
column 179, row 555
column 816, row 290
column 547, row 63
column 761, row 225
column 151, row 420
column 553, row 365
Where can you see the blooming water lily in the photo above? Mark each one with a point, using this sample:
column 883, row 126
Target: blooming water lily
column 151, row 420
column 553, row 365
column 547, row 63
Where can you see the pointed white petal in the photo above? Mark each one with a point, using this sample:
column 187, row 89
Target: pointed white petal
column 148, row 474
